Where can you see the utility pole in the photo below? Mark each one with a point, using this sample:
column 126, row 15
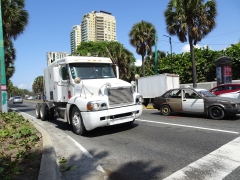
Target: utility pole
column 156, row 54
column 3, row 88
column 170, row 42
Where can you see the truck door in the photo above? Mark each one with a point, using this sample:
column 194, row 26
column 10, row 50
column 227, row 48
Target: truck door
column 192, row 102
column 64, row 83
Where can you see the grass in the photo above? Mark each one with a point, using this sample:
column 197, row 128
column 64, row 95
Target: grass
column 20, row 148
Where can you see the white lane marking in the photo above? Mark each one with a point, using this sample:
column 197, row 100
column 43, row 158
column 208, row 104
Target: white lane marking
column 216, row 165
column 85, row 152
column 195, row 127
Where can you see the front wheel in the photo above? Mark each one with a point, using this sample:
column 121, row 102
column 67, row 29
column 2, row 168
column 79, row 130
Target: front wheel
column 166, row 110
column 216, row 112
column 77, row 122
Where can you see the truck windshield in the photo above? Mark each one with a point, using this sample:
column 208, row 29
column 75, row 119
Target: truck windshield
column 91, row 71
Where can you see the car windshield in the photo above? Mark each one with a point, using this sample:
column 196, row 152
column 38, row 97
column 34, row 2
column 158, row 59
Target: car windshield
column 17, row 97
column 205, row 93
column 91, row 71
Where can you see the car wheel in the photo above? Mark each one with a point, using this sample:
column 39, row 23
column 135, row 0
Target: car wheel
column 44, row 112
column 166, row 110
column 216, row 112
column 77, row 122
column 37, row 110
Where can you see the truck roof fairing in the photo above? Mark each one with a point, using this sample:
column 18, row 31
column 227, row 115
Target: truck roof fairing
column 83, row 59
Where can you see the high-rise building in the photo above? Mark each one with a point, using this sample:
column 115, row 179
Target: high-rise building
column 75, row 37
column 52, row 56
column 98, row 26
column 95, row 26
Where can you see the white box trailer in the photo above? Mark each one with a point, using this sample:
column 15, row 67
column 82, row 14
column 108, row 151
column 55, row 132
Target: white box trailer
column 152, row 86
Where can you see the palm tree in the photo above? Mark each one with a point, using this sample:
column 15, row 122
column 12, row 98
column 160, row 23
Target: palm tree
column 142, row 38
column 9, row 56
column 14, row 21
column 122, row 57
column 14, row 18
column 38, row 85
column 190, row 20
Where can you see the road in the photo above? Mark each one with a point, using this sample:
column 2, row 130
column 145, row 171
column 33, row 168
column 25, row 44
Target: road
column 158, row 147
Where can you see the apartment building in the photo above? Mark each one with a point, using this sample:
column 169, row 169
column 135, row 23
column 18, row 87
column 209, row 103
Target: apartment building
column 75, row 37
column 98, row 26
column 95, row 26
column 52, row 56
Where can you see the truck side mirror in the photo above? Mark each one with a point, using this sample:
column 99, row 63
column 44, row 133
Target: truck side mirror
column 56, row 74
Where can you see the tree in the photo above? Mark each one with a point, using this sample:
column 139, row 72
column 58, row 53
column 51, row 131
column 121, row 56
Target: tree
column 192, row 20
column 115, row 50
column 38, row 85
column 9, row 56
column 142, row 38
column 14, row 18
column 14, row 22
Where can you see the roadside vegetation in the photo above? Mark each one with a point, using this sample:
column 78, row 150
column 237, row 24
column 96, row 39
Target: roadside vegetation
column 20, row 148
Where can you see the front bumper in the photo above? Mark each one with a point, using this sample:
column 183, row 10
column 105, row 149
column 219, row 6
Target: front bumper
column 232, row 111
column 109, row 117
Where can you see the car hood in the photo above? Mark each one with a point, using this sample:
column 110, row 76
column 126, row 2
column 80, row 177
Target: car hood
column 223, row 99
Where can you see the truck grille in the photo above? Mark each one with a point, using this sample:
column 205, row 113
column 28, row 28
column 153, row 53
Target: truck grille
column 120, row 96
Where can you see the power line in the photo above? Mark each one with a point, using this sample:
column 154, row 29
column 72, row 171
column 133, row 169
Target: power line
column 207, row 38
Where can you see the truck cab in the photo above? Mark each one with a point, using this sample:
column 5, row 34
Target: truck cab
column 86, row 93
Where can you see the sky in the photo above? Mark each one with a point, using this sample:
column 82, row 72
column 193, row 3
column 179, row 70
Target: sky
column 51, row 21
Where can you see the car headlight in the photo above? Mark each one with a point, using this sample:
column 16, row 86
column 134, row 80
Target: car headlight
column 96, row 105
column 139, row 99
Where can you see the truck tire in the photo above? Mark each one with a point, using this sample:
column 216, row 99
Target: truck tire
column 216, row 112
column 44, row 112
column 51, row 114
column 37, row 109
column 77, row 122
column 166, row 110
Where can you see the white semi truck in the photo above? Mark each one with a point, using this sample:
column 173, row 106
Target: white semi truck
column 152, row 86
column 85, row 92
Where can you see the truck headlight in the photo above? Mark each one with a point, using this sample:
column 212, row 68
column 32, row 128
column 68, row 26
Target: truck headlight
column 139, row 99
column 96, row 105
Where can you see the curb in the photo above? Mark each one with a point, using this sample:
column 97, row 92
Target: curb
column 49, row 169
column 149, row 106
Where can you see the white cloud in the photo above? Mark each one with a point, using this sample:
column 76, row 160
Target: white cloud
column 186, row 47
column 138, row 62
column 25, row 86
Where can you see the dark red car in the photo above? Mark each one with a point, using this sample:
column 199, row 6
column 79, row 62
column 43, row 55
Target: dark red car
column 225, row 88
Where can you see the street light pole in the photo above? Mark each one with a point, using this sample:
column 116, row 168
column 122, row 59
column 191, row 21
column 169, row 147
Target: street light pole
column 3, row 87
column 156, row 54
column 170, row 50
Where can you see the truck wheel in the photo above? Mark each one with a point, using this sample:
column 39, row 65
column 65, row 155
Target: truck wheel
column 44, row 112
column 37, row 109
column 77, row 122
column 166, row 110
column 216, row 112
column 51, row 113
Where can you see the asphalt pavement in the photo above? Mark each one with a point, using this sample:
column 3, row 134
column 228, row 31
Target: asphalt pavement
column 80, row 164
column 87, row 168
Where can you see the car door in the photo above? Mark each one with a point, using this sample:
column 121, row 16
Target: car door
column 174, row 100
column 191, row 101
